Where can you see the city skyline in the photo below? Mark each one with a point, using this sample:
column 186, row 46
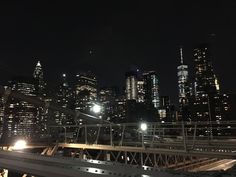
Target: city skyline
column 117, row 88
column 72, row 77
column 103, row 40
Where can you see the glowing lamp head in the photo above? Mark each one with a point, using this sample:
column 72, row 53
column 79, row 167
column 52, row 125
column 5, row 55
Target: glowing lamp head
column 96, row 108
column 19, row 145
column 143, row 126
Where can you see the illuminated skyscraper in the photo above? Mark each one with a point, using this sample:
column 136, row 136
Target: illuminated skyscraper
column 107, row 98
column 141, row 91
column 85, row 91
column 2, row 113
column 119, row 109
column 205, row 79
column 64, row 98
column 21, row 116
column 182, row 80
column 38, row 76
column 207, row 101
column 131, row 86
column 166, row 110
column 151, row 87
column 40, row 91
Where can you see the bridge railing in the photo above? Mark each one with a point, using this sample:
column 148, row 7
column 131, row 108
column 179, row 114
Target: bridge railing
column 178, row 135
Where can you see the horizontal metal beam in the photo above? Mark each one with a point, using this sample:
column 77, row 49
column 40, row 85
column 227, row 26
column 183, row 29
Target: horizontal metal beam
column 150, row 150
column 69, row 167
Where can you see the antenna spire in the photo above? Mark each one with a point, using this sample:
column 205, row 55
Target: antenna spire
column 181, row 56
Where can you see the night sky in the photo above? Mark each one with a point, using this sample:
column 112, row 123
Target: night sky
column 107, row 37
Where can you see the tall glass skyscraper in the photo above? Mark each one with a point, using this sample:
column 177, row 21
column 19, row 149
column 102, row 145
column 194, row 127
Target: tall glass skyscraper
column 107, row 98
column 207, row 101
column 21, row 116
column 205, row 78
column 40, row 91
column 182, row 80
column 141, row 91
column 151, row 87
column 38, row 76
column 85, row 91
column 131, row 86
column 64, row 98
column 2, row 113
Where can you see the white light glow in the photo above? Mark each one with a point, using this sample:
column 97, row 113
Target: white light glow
column 143, row 126
column 96, row 108
column 19, row 145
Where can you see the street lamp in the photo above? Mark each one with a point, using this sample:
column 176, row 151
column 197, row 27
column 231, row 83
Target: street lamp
column 143, row 126
column 143, row 130
column 96, row 108
column 19, row 145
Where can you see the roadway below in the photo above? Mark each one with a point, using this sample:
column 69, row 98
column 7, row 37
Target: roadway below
column 219, row 165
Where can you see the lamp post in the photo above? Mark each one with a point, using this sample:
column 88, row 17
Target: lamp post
column 96, row 108
column 143, row 126
column 19, row 145
column 210, row 119
column 143, row 129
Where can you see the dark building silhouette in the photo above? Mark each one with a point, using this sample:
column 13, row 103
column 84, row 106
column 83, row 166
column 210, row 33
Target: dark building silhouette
column 167, row 110
column 142, row 96
column 183, row 87
column 39, row 80
column 109, row 98
column 3, row 101
column 40, row 91
column 231, row 106
column 206, row 102
column 85, row 91
column 131, row 86
column 151, row 87
column 21, row 117
column 141, row 90
column 64, row 98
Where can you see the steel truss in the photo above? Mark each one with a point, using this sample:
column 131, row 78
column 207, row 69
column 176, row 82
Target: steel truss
column 146, row 160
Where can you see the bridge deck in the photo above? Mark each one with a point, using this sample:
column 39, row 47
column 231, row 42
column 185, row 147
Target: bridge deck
column 67, row 167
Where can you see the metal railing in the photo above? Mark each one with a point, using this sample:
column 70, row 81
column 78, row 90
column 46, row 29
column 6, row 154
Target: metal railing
column 194, row 136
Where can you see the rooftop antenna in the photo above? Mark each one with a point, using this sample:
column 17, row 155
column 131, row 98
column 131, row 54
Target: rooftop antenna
column 181, row 55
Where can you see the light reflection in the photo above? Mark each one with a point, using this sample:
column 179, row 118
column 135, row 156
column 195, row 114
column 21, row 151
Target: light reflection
column 19, row 145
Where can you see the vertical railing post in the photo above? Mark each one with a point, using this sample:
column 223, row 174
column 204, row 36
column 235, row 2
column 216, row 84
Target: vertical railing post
column 77, row 135
column 98, row 134
column 210, row 133
column 111, row 140
column 141, row 158
column 142, row 134
column 122, row 135
column 153, row 135
column 85, row 134
column 81, row 154
column 65, row 135
column 125, row 157
column 155, row 160
column 194, row 135
column 184, row 137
